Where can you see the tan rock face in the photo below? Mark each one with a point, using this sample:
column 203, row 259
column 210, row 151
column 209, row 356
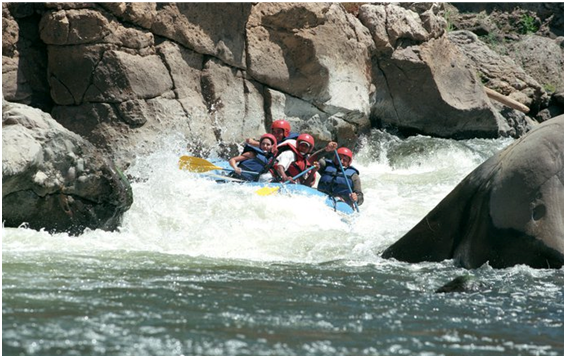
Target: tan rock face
column 140, row 13
column 543, row 59
column 233, row 96
column 317, row 53
column 311, row 51
column 499, row 73
column 74, row 27
column 107, row 70
column 207, row 28
column 432, row 89
column 10, row 32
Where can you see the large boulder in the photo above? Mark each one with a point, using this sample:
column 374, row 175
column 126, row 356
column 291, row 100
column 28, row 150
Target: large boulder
column 508, row 211
column 425, row 84
column 433, row 90
column 54, row 179
column 315, row 52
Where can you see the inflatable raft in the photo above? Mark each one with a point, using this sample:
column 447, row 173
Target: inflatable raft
column 216, row 170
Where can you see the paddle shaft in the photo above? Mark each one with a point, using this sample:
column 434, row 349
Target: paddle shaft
column 243, row 171
column 346, row 178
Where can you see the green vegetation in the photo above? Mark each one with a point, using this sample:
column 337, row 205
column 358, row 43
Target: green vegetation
column 491, row 39
column 549, row 88
column 528, row 25
column 482, row 77
column 449, row 22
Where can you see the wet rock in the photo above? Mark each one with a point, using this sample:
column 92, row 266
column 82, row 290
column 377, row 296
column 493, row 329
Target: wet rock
column 465, row 283
column 54, row 179
column 508, row 211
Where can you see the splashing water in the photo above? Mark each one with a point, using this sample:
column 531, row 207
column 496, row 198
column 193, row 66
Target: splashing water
column 178, row 212
column 204, row 268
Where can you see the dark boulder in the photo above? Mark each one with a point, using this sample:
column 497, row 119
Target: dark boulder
column 508, row 211
column 55, row 180
column 465, row 283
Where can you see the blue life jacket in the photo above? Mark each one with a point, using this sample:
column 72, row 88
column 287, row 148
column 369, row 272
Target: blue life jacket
column 333, row 183
column 292, row 135
column 261, row 164
column 282, row 144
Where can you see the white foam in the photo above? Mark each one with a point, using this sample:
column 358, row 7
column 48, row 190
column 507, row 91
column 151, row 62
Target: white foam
column 177, row 212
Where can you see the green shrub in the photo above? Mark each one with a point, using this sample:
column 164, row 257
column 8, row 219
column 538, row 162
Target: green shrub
column 449, row 22
column 549, row 88
column 528, row 25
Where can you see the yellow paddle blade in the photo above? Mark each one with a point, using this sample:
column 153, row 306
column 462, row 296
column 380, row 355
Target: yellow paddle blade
column 196, row 165
column 267, row 190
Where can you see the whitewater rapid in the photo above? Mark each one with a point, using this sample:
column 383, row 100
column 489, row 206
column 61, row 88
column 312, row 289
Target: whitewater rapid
column 180, row 213
column 200, row 268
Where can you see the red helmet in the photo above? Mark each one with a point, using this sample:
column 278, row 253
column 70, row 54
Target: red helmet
column 347, row 152
column 282, row 124
column 270, row 136
column 304, row 137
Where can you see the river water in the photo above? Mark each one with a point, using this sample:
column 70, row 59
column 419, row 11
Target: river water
column 200, row 268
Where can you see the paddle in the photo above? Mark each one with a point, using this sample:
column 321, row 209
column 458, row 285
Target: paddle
column 270, row 190
column 199, row 165
column 346, row 178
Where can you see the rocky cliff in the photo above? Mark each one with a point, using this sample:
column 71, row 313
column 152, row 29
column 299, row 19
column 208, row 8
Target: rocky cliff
column 122, row 74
